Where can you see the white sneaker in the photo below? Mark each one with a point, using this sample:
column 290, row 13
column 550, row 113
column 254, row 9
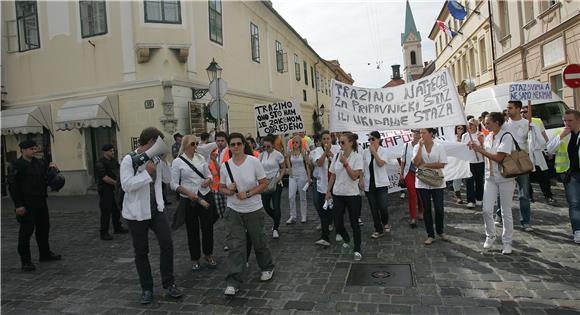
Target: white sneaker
column 402, row 196
column 577, row 237
column 322, row 242
column 360, row 222
column 338, row 238
column 528, row 228
column 275, row 234
column 226, row 248
column 507, row 249
column 488, row 242
column 345, row 246
column 319, row 227
column 291, row 221
column 479, row 203
column 230, row 291
column 267, row 275
column 470, row 205
column 357, row 256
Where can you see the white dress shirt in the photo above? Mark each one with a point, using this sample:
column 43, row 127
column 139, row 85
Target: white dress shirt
column 321, row 172
column 380, row 172
column 437, row 155
column 183, row 175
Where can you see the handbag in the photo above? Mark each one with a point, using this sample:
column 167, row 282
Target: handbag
column 272, row 183
column 516, row 163
column 206, row 201
column 431, row 177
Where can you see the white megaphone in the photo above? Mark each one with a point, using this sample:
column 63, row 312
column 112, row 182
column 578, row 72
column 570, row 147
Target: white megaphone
column 158, row 148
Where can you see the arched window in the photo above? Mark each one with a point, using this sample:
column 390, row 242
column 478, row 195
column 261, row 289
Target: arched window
column 413, row 58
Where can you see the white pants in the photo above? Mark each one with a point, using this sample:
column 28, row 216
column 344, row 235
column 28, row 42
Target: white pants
column 296, row 184
column 506, row 194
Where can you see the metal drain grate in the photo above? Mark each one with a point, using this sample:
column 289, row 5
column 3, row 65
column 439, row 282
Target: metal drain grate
column 386, row 275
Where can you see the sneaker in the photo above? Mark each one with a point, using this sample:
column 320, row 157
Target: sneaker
column 303, row 221
column 577, row 237
column 360, row 222
column 146, row 297
column 319, row 227
column 402, row 196
column 345, row 246
column 444, row 237
column 376, row 235
column 551, row 201
column 230, row 291
column 226, row 248
column 291, row 221
column 479, row 203
column 322, row 242
column 507, row 249
column 498, row 221
column 275, row 234
column 266, row 275
column 174, row 292
column 387, row 228
column 428, row 241
column 338, row 238
column 527, row 228
column 488, row 242
column 470, row 205
column 357, row 256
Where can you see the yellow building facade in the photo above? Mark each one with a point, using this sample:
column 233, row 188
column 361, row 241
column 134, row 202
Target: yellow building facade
column 535, row 40
column 78, row 74
column 468, row 55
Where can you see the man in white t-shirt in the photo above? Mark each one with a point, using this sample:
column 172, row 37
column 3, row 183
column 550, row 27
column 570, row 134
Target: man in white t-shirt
column 204, row 148
column 519, row 128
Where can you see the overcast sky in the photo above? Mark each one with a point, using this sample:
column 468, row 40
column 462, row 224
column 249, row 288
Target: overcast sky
column 358, row 32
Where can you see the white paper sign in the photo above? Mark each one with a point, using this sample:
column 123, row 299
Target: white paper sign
column 431, row 101
column 530, row 91
column 279, row 118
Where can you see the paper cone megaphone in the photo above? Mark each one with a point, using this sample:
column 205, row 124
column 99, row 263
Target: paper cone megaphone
column 159, row 148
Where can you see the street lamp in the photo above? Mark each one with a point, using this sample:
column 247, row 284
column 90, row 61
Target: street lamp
column 214, row 71
column 321, row 111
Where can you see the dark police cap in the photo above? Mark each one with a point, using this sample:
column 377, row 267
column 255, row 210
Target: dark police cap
column 27, row 144
column 107, row 147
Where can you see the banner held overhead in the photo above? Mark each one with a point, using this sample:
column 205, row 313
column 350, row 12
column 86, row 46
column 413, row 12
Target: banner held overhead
column 431, row 101
column 279, row 118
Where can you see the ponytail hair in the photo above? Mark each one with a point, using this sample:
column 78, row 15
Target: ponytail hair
column 352, row 137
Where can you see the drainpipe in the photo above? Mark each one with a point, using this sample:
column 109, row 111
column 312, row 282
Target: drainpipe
column 492, row 42
column 316, row 86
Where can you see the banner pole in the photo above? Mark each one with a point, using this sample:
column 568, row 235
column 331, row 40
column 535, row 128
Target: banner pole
column 467, row 126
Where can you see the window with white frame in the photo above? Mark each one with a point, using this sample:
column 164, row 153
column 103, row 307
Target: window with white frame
column 255, row 42
column 93, row 18
column 279, row 57
column 162, row 11
column 482, row 55
column 556, row 83
column 305, row 73
column 296, row 67
column 215, row 21
column 27, row 22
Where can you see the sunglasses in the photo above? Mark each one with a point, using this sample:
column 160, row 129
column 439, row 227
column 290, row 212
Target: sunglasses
column 342, row 142
column 372, row 139
column 193, row 144
column 267, row 146
column 236, row 144
column 524, row 112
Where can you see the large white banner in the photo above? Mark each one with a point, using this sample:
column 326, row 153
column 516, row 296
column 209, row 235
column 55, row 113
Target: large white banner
column 458, row 154
column 431, row 101
column 279, row 118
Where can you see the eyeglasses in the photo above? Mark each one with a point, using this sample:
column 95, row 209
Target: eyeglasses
column 236, row 144
column 372, row 139
column 193, row 144
column 524, row 112
column 342, row 142
column 267, row 146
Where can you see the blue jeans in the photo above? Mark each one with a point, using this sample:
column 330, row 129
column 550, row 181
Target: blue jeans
column 573, row 197
column 524, row 196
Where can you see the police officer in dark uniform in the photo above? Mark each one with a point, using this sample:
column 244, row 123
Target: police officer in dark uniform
column 27, row 180
column 108, row 172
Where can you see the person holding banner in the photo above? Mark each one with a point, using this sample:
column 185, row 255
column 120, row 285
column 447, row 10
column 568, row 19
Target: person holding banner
column 460, row 130
column 476, row 165
column 299, row 180
column 275, row 168
column 376, row 182
column 408, row 170
column 343, row 189
column 322, row 159
column 431, row 155
column 498, row 144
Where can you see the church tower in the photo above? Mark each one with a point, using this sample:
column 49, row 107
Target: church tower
column 411, row 43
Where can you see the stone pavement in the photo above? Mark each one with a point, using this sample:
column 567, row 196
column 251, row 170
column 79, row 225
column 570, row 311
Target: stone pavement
column 96, row 277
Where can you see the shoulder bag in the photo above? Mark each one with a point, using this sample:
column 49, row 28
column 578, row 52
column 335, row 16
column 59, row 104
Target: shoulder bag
column 431, row 177
column 516, row 163
column 272, row 183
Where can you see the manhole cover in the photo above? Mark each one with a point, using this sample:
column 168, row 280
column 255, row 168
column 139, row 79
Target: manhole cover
column 386, row 275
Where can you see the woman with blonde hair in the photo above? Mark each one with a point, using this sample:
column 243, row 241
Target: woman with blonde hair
column 191, row 178
column 300, row 175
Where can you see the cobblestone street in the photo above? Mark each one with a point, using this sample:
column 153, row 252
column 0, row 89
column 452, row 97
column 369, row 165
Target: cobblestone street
column 542, row 276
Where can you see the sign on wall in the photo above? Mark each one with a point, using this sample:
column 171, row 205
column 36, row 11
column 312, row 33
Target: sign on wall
column 530, row 91
column 279, row 118
column 431, row 101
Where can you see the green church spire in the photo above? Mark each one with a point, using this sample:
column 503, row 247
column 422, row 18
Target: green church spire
column 410, row 27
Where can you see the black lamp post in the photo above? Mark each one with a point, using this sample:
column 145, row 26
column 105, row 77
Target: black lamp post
column 214, row 71
column 321, row 111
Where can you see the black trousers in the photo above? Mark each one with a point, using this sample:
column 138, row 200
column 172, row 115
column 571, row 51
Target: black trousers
column 543, row 178
column 353, row 205
column 378, row 203
column 326, row 216
column 475, row 182
column 140, row 234
column 109, row 210
column 35, row 218
column 271, row 203
column 437, row 195
column 196, row 218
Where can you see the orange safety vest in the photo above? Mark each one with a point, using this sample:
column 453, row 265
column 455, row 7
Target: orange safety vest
column 213, row 168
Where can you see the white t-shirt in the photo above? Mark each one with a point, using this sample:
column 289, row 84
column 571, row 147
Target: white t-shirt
column 246, row 177
column 343, row 184
column 206, row 149
column 321, row 172
column 475, row 136
column 271, row 162
column 381, row 173
column 297, row 165
column 519, row 129
column 437, row 155
column 493, row 145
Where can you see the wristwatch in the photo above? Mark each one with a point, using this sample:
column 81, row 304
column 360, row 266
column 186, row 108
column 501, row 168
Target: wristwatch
column 248, row 194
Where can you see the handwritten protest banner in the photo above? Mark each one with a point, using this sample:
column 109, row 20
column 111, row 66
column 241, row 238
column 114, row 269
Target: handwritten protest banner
column 530, row 91
column 279, row 118
column 431, row 101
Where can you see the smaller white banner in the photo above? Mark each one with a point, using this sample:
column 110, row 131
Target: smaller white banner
column 530, row 91
column 279, row 118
